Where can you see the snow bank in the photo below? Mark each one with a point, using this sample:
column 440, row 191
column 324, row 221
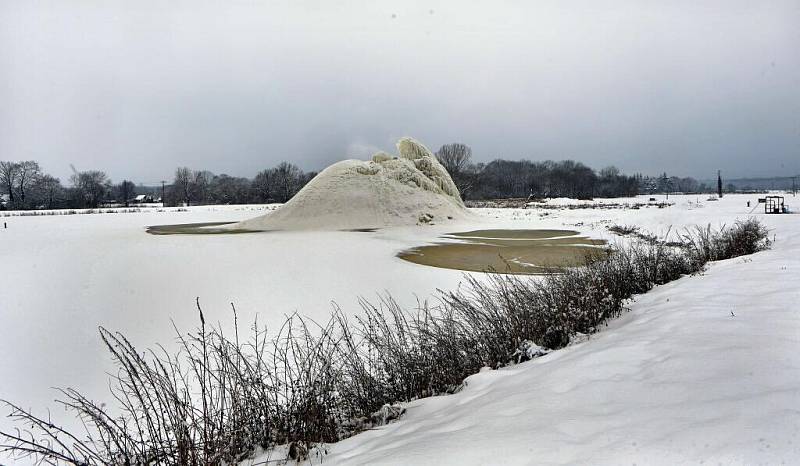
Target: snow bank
column 411, row 189
column 703, row 370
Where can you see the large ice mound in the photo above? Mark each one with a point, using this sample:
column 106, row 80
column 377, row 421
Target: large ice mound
column 409, row 189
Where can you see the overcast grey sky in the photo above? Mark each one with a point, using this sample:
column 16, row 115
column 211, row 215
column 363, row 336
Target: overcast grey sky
column 139, row 87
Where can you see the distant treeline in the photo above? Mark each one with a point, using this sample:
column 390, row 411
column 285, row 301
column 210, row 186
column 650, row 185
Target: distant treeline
column 787, row 183
column 23, row 185
column 277, row 184
column 525, row 178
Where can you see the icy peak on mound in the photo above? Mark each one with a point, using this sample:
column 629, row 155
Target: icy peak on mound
column 387, row 190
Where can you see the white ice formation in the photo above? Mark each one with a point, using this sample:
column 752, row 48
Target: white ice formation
column 409, row 189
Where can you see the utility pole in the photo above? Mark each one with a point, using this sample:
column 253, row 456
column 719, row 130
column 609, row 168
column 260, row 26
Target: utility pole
column 162, row 193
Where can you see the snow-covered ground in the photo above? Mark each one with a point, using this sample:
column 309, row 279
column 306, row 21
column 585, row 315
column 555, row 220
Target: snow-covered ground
column 703, row 370
column 63, row 276
column 679, row 379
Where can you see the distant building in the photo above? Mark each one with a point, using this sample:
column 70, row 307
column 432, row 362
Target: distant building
column 143, row 198
column 4, row 200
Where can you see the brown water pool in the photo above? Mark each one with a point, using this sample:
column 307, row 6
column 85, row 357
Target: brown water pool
column 508, row 251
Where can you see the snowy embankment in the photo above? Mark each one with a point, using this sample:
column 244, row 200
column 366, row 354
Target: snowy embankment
column 704, row 369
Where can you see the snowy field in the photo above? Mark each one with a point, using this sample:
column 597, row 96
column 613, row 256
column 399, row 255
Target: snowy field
column 702, row 369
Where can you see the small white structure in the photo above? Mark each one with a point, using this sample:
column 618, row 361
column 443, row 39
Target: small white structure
column 143, row 198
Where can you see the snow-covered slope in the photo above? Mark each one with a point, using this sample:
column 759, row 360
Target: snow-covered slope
column 704, row 370
column 386, row 191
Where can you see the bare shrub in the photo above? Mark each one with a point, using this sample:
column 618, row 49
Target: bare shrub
column 744, row 237
column 623, row 230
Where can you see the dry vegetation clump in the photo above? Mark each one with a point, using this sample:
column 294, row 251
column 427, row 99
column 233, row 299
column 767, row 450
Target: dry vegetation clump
column 624, row 230
column 541, row 204
column 744, row 237
column 218, row 398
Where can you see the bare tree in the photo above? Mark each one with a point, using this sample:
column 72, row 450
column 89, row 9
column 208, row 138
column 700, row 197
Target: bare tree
column 263, row 185
column 183, row 184
column 201, row 185
column 288, row 180
column 126, row 190
column 227, row 189
column 28, row 172
column 456, row 159
column 48, row 188
column 9, row 171
column 91, row 186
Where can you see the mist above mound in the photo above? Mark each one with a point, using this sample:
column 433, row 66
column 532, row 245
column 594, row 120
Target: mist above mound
column 409, row 189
